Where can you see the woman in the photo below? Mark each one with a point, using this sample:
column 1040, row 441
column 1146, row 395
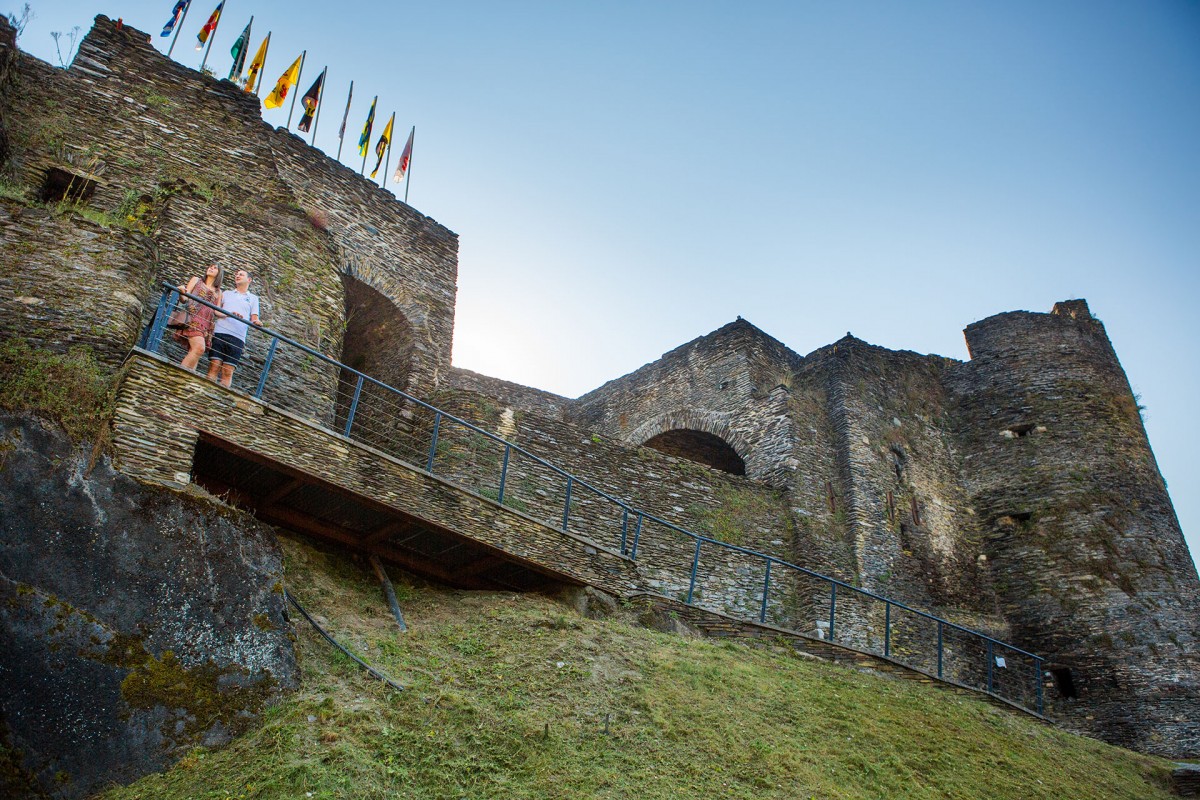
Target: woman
column 198, row 332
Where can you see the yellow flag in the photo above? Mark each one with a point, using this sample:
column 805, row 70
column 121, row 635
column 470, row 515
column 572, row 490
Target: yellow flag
column 382, row 145
column 286, row 81
column 252, row 74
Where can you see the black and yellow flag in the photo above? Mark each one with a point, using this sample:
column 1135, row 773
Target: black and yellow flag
column 310, row 101
column 382, row 145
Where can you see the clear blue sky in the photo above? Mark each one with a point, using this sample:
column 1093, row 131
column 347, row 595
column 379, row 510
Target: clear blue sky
column 626, row 176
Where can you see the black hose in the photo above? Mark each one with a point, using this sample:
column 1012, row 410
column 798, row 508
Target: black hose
column 374, row 672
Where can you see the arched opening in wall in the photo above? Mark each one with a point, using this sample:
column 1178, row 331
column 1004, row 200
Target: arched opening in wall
column 378, row 342
column 701, row 447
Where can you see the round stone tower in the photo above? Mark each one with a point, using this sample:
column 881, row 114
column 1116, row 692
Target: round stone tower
column 1083, row 544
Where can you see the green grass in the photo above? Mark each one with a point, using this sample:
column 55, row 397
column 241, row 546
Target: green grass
column 71, row 388
column 509, row 697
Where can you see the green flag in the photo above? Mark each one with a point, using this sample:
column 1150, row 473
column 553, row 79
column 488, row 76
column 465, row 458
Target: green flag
column 238, row 51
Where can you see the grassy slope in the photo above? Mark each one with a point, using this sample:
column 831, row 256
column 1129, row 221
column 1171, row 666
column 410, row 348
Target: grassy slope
column 508, row 696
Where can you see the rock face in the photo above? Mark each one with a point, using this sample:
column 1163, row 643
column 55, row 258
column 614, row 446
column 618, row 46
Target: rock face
column 136, row 622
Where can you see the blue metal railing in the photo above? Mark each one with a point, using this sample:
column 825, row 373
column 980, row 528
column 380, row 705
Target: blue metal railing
column 971, row 647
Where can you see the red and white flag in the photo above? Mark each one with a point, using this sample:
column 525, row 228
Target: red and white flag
column 405, row 157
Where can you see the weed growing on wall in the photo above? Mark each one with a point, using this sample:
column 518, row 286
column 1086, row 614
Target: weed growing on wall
column 71, row 388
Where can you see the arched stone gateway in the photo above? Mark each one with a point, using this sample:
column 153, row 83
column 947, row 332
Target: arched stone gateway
column 704, row 448
column 704, row 438
column 379, row 342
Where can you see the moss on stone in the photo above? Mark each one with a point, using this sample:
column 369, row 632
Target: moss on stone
column 72, row 388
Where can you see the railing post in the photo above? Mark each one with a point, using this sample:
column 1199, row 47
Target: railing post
column 1037, row 677
column 159, row 313
column 637, row 535
column 624, row 528
column 695, row 566
column 832, row 607
column 353, row 407
column 991, row 663
column 154, row 340
column 262, row 376
column 437, row 422
column 567, row 504
column 762, row 611
column 503, row 474
column 939, row 648
column 887, row 629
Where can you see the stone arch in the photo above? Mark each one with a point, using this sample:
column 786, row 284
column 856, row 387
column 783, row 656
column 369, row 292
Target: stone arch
column 703, row 437
column 378, row 341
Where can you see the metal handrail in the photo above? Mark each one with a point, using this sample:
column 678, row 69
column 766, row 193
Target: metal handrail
column 151, row 338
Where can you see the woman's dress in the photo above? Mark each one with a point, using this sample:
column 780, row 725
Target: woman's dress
column 200, row 317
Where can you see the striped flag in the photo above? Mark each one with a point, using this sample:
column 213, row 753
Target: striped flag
column 382, row 145
column 282, row 86
column 364, row 141
column 346, row 115
column 209, row 26
column 238, row 51
column 176, row 14
column 405, row 157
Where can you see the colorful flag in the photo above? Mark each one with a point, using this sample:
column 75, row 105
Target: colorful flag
column 238, row 51
column 311, row 99
column 346, row 115
column 176, row 14
column 257, row 64
column 209, row 26
column 286, row 81
column 382, row 145
column 405, row 157
column 364, row 141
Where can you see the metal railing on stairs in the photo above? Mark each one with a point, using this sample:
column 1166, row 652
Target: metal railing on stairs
column 783, row 594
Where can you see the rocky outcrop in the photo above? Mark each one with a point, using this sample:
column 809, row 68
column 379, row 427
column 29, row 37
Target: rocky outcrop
column 136, row 622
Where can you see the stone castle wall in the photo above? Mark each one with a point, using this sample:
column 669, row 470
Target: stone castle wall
column 182, row 165
column 1082, row 543
column 1015, row 493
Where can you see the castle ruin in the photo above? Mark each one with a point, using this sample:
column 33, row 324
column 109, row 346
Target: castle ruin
column 1014, row 493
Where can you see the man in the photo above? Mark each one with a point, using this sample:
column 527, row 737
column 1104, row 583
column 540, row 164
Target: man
column 229, row 334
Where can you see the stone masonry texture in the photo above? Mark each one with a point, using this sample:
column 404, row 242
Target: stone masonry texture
column 1014, row 493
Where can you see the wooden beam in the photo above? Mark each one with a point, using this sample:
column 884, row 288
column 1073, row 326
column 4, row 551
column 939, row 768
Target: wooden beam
column 387, row 530
column 480, row 565
column 286, row 488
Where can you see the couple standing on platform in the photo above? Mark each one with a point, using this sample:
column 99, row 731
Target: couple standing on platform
column 223, row 331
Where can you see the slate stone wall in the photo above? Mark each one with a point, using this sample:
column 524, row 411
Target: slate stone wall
column 1082, row 542
column 184, row 164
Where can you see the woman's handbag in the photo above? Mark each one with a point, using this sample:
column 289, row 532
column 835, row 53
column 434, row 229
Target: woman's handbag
column 181, row 317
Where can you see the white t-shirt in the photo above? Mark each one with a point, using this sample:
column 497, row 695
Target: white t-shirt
column 235, row 302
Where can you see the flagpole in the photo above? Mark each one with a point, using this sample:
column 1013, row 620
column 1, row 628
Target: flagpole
column 408, row 173
column 387, row 156
column 245, row 46
column 299, row 76
column 178, row 28
column 320, row 102
column 263, row 69
column 212, row 35
column 345, row 117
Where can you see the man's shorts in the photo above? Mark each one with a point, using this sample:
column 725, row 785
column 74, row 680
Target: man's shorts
column 227, row 349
